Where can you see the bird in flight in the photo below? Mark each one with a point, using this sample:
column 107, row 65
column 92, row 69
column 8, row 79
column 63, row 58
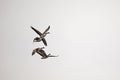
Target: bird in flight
column 41, row 35
column 42, row 53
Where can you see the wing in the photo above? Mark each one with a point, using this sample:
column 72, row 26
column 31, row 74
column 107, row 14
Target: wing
column 42, row 53
column 38, row 32
column 44, row 41
column 33, row 52
column 46, row 29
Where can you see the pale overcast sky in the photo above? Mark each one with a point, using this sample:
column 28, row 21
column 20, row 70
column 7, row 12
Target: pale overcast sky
column 84, row 33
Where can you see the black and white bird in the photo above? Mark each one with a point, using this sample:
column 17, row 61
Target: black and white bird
column 41, row 35
column 42, row 53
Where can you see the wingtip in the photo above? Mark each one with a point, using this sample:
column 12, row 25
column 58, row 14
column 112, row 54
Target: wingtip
column 45, row 44
column 49, row 26
column 31, row 26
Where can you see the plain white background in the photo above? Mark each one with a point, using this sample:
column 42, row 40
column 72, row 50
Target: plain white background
column 84, row 33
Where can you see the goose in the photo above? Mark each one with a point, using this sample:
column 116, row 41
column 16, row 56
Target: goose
column 42, row 53
column 42, row 35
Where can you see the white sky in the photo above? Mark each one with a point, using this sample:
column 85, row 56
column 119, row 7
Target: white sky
column 84, row 33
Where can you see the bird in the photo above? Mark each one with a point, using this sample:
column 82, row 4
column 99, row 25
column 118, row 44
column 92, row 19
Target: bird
column 41, row 35
column 42, row 53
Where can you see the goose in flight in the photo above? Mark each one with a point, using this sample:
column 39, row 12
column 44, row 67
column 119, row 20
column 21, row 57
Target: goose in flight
column 42, row 53
column 42, row 35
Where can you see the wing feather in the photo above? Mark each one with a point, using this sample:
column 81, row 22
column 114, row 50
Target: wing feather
column 42, row 53
column 44, row 41
column 38, row 32
column 46, row 29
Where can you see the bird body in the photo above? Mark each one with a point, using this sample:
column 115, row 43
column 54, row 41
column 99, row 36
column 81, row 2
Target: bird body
column 42, row 53
column 41, row 35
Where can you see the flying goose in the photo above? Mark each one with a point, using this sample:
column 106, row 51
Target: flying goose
column 42, row 53
column 42, row 35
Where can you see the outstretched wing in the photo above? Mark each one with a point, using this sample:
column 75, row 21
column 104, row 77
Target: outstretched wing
column 42, row 53
column 38, row 32
column 46, row 29
column 44, row 41
column 33, row 52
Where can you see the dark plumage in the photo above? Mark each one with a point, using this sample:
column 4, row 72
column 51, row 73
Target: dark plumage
column 42, row 35
column 42, row 53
